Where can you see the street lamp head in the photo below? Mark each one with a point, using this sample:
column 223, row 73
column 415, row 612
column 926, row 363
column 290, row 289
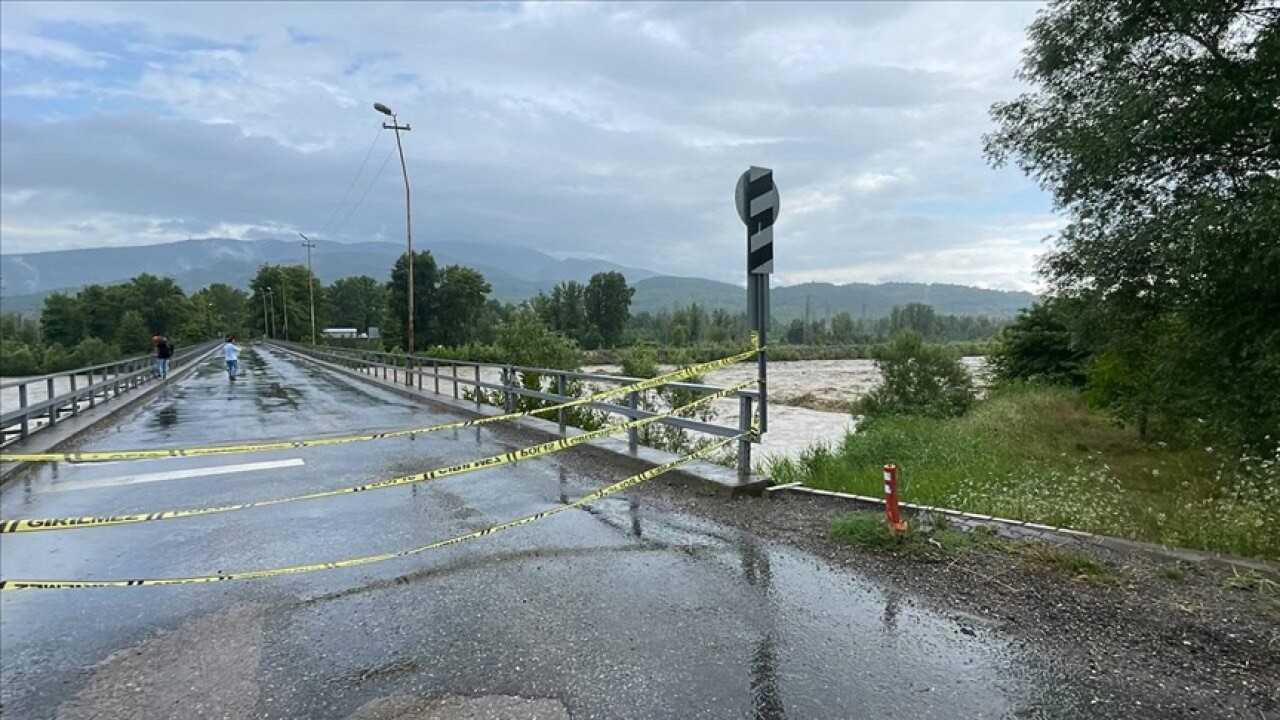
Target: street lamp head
column 383, row 109
column 304, row 237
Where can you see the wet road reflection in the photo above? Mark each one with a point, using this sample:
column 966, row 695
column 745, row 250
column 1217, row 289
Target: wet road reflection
column 621, row 610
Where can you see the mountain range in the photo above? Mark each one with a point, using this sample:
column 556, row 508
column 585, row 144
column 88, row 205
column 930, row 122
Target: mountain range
column 515, row 272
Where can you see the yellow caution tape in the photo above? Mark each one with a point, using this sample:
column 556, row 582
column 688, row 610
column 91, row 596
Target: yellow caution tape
column 74, row 523
column 634, row 480
column 109, row 455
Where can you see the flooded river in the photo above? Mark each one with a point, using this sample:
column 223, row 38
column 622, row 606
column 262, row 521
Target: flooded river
column 809, row 400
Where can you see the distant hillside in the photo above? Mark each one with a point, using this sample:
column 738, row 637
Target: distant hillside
column 515, row 272
column 859, row 299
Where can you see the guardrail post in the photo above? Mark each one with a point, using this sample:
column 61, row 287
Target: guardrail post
column 560, row 388
column 633, row 434
column 507, row 398
column 435, row 375
column 93, row 394
column 75, row 399
column 22, row 403
column 49, row 395
column 744, row 443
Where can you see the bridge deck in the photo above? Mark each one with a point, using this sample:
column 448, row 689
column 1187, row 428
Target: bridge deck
column 617, row 610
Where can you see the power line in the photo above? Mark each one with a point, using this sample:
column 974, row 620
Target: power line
column 350, row 187
column 370, row 187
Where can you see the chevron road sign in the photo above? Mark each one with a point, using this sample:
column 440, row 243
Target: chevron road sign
column 758, row 205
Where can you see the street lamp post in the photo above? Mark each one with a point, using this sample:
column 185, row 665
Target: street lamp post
column 408, row 215
column 284, row 300
column 271, row 300
column 311, row 285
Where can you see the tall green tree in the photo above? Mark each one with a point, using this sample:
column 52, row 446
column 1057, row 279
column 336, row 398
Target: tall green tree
column 425, row 282
column 287, row 304
column 564, row 309
column 608, row 303
column 101, row 307
column 132, row 335
column 1154, row 125
column 460, row 300
column 843, row 329
column 61, row 320
column 358, row 302
column 163, row 305
column 1039, row 346
column 918, row 318
column 221, row 309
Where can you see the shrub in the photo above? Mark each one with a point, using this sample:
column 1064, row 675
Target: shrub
column 640, row 361
column 16, row 359
column 919, row 379
column 1038, row 346
column 92, row 351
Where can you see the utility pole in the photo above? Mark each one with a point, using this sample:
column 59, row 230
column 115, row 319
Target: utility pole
column 266, row 324
column 408, row 215
column 284, row 300
column 807, row 337
column 311, row 283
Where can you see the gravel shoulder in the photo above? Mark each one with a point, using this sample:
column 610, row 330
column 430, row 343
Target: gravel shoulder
column 1148, row 638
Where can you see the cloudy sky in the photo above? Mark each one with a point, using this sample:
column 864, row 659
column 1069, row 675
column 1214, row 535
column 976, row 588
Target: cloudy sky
column 614, row 131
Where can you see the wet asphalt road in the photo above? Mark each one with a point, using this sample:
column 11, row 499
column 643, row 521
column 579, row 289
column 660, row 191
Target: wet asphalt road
column 615, row 611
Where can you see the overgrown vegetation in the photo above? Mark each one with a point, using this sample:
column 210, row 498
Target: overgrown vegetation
column 918, row 379
column 103, row 323
column 1154, row 126
column 1041, row 454
column 1141, row 398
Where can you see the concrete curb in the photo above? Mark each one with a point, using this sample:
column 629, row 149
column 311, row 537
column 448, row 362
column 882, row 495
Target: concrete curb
column 1024, row 529
column 73, row 428
column 712, row 476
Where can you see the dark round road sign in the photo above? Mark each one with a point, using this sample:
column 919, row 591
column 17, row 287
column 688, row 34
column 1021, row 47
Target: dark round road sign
column 745, row 182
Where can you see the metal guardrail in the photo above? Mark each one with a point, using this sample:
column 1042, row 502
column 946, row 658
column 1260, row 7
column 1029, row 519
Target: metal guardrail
column 71, row 391
column 428, row 373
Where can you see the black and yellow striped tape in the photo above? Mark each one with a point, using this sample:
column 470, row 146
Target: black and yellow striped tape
column 634, row 480
column 30, row 525
column 116, row 455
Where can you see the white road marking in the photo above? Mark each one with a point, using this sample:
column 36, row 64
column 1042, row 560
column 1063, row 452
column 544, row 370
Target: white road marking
column 175, row 475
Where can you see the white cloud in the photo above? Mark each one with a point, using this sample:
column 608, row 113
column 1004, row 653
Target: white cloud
column 41, row 48
column 578, row 128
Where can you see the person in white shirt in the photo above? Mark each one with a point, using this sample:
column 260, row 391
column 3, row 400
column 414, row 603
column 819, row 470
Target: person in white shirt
column 231, row 352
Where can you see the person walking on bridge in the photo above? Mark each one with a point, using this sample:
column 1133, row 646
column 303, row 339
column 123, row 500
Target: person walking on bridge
column 231, row 352
column 164, row 352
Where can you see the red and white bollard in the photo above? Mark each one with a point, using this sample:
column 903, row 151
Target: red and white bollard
column 891, row 510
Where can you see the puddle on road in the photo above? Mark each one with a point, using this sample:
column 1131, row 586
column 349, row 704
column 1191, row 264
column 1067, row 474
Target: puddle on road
column 660, row 615
column 163, row 418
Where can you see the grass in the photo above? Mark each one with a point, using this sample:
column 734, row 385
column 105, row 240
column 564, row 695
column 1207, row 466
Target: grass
column 868, row 529
column 1068, row 563
column 1251, row 581
column 1040, row 454
column 939, row 539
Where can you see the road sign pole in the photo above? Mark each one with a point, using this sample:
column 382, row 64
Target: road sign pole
column 758, row 205
column 762, row 287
